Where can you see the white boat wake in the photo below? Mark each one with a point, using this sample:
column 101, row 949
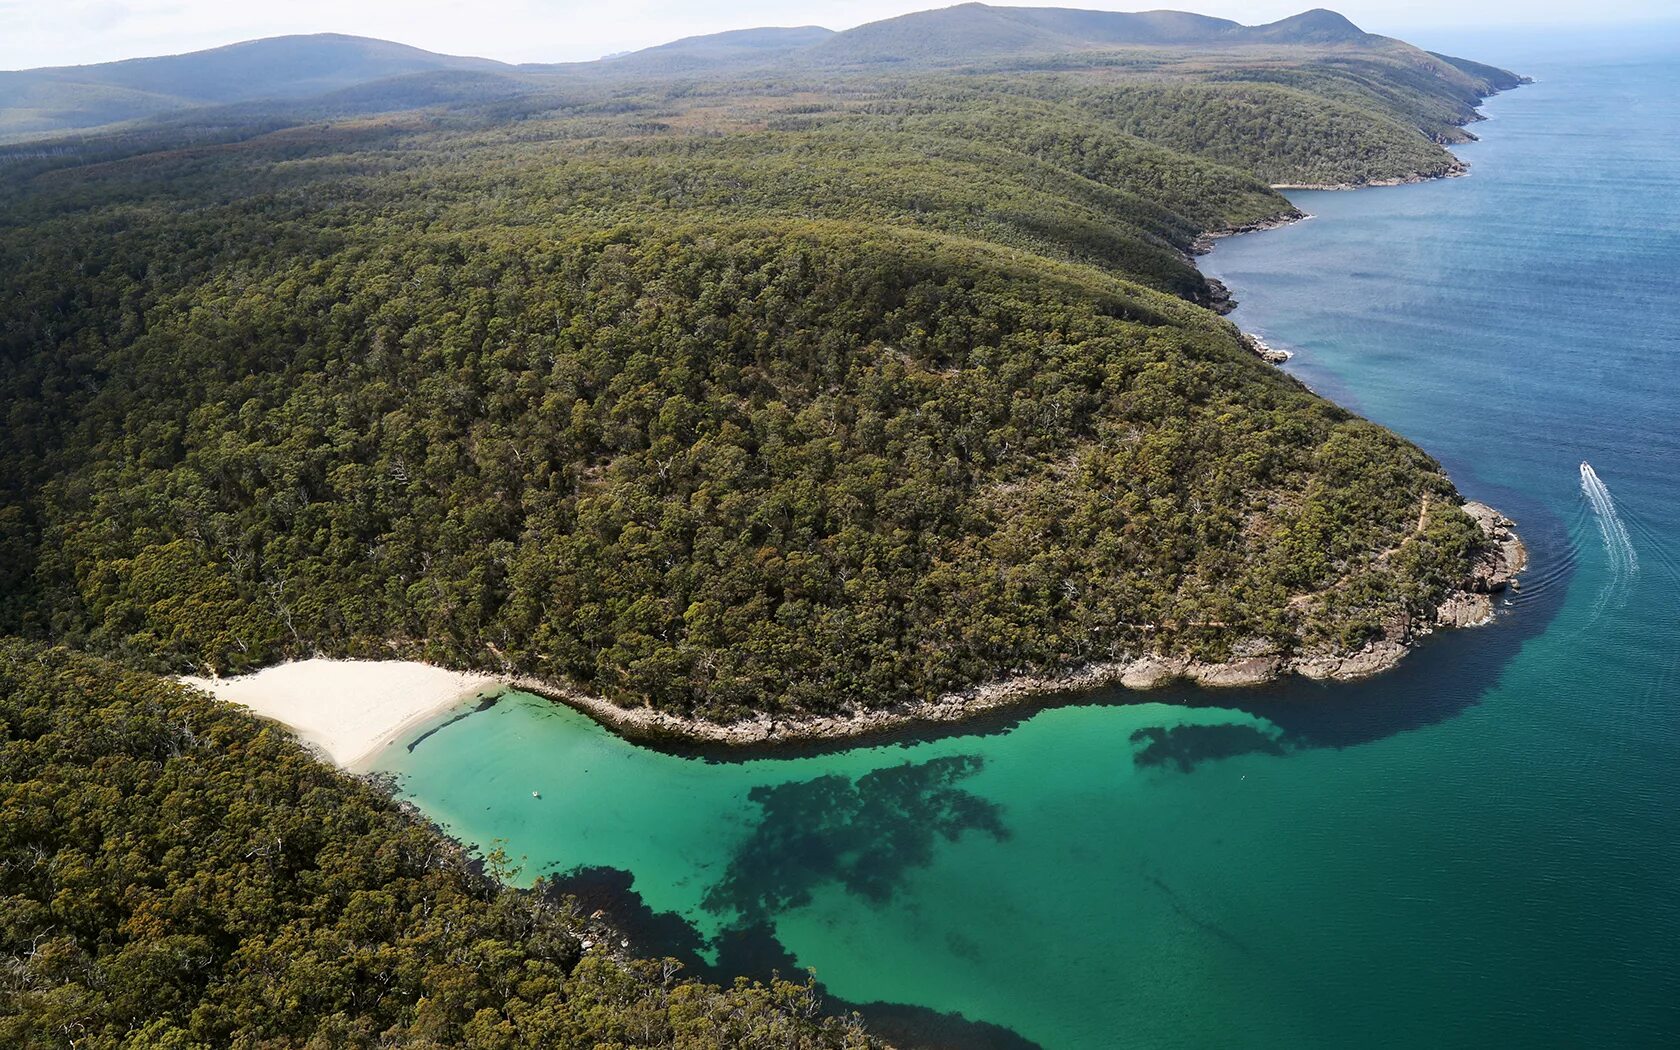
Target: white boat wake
column 1618, row 545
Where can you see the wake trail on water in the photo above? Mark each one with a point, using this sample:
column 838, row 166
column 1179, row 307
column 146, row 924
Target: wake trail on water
column 1543, row 573
column 1618, row 545
column 1652, row 542
column 1550, row 564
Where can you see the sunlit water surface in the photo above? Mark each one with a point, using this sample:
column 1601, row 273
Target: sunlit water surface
column 1482, row 848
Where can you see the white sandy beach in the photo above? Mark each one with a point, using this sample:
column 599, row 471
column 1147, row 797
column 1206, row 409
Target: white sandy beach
column 351, row 709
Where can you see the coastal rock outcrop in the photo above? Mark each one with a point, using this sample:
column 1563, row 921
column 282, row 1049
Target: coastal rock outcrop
column 1152, row 672
column 1464, row 609
column 1501, row 558
column 1264, row 350
column 1252, row 670
column 1493, row 569
column 1205, row 242
column 1375, row 658
column 1216, row 296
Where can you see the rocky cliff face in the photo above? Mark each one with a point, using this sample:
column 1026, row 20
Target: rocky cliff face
column 1502, row 557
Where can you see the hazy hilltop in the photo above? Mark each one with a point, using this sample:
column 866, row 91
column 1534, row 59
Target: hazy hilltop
column 962, row 34
column 351, row 74
column 715, row 50
column 287, row 67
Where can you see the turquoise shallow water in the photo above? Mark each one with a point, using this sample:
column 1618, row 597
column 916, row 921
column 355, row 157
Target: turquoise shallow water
column 1481, row 848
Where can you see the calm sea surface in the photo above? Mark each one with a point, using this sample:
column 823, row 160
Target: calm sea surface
column 1482, row 848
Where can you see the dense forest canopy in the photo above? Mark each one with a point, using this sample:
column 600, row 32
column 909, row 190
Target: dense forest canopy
column 180, row 875
column 720, row 395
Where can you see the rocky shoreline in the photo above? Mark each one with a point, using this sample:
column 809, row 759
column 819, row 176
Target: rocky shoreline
column 1205, row 242
column 1458, row 170
column 1215, row 295
column 1264, row 350
column 1497, row 563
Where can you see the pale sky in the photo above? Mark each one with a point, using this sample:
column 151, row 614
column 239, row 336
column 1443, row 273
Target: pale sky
column 68, row 32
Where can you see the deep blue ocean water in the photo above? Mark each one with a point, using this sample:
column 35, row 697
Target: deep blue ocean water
column 1480, row 849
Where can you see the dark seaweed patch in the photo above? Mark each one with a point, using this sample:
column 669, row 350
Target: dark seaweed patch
column 612, row 891
column 752, row 949
column 923, row 1029
column 863, row 834
column 1188, row 746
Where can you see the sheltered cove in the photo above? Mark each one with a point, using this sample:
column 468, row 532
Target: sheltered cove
column 321, row 725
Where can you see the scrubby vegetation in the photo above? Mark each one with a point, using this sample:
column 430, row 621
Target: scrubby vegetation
column 1281, row 134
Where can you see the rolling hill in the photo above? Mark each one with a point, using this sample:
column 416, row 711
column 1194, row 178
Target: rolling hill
column 714, row 51
column 813, row 306
column 966, row 33
column 34, row 101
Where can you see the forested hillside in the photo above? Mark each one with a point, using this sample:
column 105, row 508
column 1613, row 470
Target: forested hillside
column 179, row 874
column 720, row 398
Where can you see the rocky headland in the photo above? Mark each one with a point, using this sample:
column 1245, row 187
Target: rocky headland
column 1498, row 560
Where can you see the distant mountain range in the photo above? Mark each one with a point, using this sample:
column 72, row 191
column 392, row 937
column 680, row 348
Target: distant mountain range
column 40, row 102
